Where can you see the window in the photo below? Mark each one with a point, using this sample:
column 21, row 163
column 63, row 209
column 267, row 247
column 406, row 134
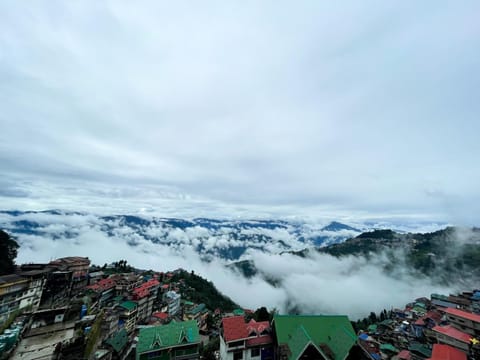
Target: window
column 238, row 355
column 255, row 352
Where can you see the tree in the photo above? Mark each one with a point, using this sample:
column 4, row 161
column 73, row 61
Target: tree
column 261, row 314
column 8, row 253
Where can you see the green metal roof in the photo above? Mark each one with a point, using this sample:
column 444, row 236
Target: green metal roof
column 166, row 336
column 372, row 328
column 118, row 341
column 129, row 305
column 297, row 331
column 388, row 347
column 386, row 322
column 197, row 309
column 420, row 348
column 238, row 312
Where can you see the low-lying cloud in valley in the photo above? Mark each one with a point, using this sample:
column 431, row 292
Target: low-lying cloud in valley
column 317, row 283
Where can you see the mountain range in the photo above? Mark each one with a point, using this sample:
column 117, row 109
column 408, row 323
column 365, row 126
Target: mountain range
column 222, row 238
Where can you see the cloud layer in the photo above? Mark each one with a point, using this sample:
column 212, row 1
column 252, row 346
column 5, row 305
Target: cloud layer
column 316, row 284
column 275, row 108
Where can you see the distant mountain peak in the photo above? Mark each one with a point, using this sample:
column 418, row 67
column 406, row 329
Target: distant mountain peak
column 338, row 226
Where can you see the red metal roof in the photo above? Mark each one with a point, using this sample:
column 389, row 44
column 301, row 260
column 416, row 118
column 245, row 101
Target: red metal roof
column 463, row 314
column 235, row 328
column 160, row 315
column 404, row 355
column 144, row 289
column 102, row 285
column 446, row 352
column 453, row 333
column 434, row 315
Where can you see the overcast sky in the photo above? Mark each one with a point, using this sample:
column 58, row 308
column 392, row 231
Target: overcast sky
column 365, row 109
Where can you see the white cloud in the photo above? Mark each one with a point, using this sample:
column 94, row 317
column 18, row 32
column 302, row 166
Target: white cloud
column 316, row 284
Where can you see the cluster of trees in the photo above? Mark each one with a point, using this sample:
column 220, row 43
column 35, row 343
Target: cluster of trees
column 363, row 324
column 8, row 253
column 200, row 290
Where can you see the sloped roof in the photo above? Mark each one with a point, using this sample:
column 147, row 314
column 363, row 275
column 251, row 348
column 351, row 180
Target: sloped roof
column 118, row 341
column 166, row 336
column 446, row 352
column 234, row 328
column 463, row 314
column 297, row 331
column 453, row 333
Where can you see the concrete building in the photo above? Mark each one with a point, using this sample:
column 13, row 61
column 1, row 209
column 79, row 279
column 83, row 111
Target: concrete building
column 78, row 266
column 128, row 315
column 464, row 321
column 146, row 295
column 21, row 291
column 451, row 336
column 13, row 295
column 173, row 301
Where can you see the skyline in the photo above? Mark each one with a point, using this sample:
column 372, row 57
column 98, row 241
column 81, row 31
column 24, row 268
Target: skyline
column 356, row 111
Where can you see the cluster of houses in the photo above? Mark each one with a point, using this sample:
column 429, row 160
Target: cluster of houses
column 68, row 310
column 442, row 327
column 105, row 308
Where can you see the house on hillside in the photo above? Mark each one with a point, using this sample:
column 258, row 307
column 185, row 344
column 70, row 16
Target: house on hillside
column 128, row 311
column 175, row 341
column 245, row 340
column 451, row 336
column 320, row 337
column 464, row 321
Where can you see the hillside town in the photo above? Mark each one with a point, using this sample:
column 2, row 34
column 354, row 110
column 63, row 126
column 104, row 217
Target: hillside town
column 70, row 309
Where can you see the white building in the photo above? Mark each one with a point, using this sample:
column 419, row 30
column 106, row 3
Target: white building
column 173, row 301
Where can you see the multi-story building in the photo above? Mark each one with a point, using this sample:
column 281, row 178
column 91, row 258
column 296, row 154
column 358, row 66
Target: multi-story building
column 240, row 340
column 175, row 341
column 128, row 315
column 198, row 313
column 125, row 283
column 464, row 321
column 452, row 336
column 104, row 290
column 78, row 266
column 146, row 295
column 37, row 274
column 173, row 301
column 13, row 290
